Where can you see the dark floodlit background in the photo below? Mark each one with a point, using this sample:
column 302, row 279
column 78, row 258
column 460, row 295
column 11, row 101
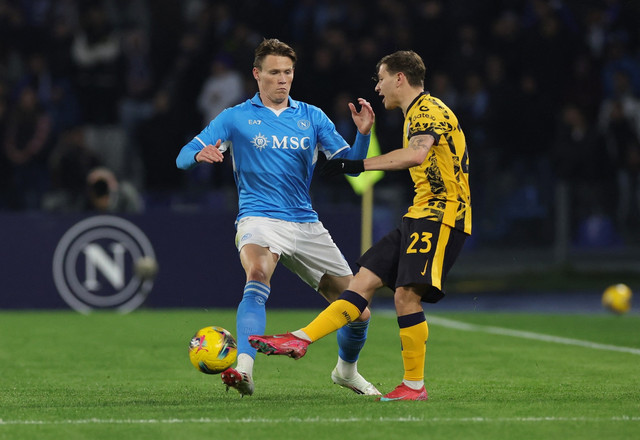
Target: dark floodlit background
column 547, row 92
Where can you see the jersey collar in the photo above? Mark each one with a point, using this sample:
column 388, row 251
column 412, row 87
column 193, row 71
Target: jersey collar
column 257, row 101
column 425, row 93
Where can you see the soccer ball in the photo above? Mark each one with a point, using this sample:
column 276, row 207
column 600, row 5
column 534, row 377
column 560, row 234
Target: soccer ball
column 146, row 268
column 212, row 350
column 617, row 298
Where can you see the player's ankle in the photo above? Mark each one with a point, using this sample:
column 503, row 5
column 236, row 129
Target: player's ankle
column 346, row 369
column 302, row 335
column 414, row 384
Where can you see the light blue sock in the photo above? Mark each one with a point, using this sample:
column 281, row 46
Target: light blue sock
column 251, row 317
column 351, row 339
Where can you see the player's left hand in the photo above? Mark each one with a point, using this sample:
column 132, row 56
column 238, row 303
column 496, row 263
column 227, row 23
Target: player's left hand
column 364, row 118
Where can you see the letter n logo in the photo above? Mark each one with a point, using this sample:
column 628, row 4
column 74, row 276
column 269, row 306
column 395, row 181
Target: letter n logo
column 97, row 259
column 93, row 265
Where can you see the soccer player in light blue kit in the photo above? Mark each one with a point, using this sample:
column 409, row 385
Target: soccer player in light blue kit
column 274, row 143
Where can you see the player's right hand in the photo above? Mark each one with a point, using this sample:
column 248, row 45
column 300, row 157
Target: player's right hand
column 210, row 153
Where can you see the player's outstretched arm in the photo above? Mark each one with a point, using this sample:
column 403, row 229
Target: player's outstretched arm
column 400, row 159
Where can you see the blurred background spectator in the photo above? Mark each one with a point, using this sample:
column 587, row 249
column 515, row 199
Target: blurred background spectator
column 96, row 54
column 548, row 93
column 104, row 193
column 223, row 88
column 27, row 140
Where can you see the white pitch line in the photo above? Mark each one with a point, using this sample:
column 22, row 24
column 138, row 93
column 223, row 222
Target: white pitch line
column 321, row 420
column 459, row 325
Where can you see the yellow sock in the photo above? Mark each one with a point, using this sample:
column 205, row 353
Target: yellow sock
column 414, row 350
column 336, row 315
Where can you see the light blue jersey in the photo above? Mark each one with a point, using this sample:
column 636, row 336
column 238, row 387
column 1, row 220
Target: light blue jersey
column 274, row 155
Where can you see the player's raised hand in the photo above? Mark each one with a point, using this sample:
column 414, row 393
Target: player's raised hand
column 210, row 153
column 364, row 118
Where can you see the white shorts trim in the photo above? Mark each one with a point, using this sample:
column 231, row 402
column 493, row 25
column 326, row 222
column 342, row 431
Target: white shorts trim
column 306, row 249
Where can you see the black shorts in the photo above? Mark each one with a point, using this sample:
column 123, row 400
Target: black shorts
column 418, row 253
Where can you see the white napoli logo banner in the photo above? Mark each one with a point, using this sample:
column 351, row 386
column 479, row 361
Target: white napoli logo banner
column 93, row 265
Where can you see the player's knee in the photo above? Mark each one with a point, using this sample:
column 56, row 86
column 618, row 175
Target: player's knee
column 258, row 274
column 331, row 287
column 406, row 300
column 365, row 283
column 365, row 315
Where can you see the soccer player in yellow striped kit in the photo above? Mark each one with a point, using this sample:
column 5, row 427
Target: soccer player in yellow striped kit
column 413, row 259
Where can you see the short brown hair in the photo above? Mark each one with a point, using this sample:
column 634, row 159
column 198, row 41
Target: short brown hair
column 407, row 62
column 273, row 46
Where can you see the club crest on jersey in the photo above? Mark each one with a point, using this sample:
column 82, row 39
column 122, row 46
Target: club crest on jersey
column 303, row 124
column 260, row 141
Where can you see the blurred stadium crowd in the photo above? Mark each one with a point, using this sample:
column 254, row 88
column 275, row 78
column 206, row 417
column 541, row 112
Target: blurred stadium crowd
column 547, row 91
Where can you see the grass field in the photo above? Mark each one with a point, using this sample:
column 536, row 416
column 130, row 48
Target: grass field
column 489, row 376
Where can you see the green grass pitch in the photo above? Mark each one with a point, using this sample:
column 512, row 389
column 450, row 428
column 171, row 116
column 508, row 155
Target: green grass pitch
column 489, row 376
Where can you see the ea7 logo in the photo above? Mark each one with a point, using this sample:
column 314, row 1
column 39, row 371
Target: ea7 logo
column 93, row 265
column 255, row 122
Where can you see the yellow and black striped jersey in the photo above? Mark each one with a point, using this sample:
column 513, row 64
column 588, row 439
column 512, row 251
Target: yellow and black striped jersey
column 442, row 181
